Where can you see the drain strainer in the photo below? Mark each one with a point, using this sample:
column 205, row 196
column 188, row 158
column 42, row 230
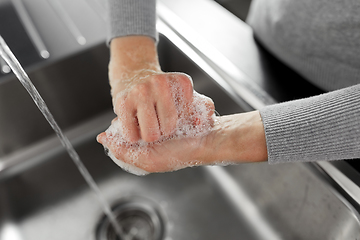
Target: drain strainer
column 139, row 219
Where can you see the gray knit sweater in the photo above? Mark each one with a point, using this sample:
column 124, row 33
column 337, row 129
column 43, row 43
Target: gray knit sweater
column 320, row 39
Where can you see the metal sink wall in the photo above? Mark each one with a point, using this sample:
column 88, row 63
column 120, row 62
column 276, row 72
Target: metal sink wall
column 50, row 200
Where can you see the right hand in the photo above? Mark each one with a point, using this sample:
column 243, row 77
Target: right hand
column 145, row 98
column 148, row 105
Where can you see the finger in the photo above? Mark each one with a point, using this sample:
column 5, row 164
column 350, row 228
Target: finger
column 186, row 87
column 168, row 116
column 207, row 118
column 148, row 122
column 101, row 138
column 203, row 110
column 210, row 107
column 181, row 90
column 129, row 122
column 186, row 94
column 114, row 120
column 166, row 112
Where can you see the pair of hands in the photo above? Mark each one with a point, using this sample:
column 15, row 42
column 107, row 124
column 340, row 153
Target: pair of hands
column 148, row 110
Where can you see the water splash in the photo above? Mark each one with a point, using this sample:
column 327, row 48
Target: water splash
column 17, row 69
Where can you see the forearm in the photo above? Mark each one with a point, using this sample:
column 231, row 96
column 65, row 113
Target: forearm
column 134, row 53
column 129, row 56
column 132, row 37
column 324, row 127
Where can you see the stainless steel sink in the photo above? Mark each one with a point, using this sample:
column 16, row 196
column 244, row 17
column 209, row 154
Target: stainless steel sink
column 43, row 196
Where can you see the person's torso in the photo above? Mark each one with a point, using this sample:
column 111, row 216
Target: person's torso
column 311, row 36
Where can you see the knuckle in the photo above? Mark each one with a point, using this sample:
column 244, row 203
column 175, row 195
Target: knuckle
column 141, row 92
column 186, row 86
column 158, row 79
column 185, row 81
column 161, row 84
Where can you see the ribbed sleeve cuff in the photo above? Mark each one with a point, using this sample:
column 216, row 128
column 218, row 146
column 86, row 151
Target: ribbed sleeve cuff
column 324, row 127
column 131, row 17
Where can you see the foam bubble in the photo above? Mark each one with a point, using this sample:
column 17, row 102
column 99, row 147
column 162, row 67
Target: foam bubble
column 126, row 166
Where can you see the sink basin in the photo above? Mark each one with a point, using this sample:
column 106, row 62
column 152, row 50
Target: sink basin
column 48, row 199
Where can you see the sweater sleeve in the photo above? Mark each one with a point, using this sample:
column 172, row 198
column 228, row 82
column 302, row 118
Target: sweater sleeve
column 324, row 127
column 131, row 17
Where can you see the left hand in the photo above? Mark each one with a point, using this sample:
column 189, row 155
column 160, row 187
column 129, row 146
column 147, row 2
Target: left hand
column 165, row 156
column 234, row 139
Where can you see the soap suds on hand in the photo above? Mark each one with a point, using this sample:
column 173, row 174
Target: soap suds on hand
column 195, row 120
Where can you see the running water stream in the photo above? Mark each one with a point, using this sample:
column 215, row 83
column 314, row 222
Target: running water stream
column 15, row 66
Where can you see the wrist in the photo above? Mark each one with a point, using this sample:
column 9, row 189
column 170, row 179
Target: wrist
column 253, row 141
column 237, row 138
column 131, row 55
column 131, row 58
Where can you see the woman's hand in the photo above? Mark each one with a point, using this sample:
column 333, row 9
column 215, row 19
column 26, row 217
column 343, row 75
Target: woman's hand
column 163, row 156
column 143, row 96
column 233, row 139
column 147, row 105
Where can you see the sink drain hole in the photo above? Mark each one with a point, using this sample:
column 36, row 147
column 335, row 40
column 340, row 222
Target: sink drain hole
column 139, row 219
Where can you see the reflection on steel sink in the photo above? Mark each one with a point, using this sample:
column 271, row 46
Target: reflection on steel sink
column 50, row 200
